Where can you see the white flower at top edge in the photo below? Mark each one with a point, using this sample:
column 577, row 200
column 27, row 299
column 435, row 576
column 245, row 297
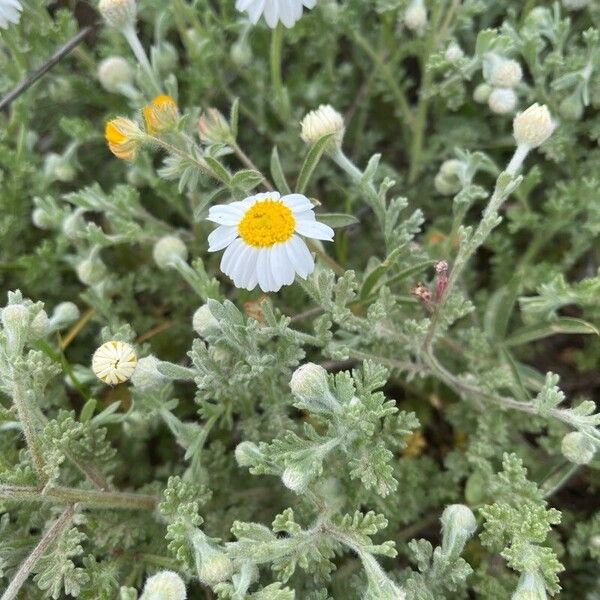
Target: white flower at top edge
column 261, row 235
column 10, row 12
column 114, row 362
column 286, row 11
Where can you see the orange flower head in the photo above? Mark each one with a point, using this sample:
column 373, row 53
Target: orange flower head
column 161, row 114
column 122, row 137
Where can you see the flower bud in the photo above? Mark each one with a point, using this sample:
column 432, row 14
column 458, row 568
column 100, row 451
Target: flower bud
column 445, row 187
column 161, row 114
column 578, row 448
column 168, row 250
column 482, row 93
column 39, row 326
column 114, row 72
column 119, row 14
column 41, row 219
column 213, row 128
column 114, row 362
column 165, row 585
column 454, row 52
column 310, row 386
column 323, row 121
column 247, row 454
column 295, row 479
column 91, row 271
column 15, row 320
column 215, row 568
column 64, row 314
column 502, row 100
column 534, row 126
column 204, row 323
column 415, row 16
column 123, row 137
column 146, row 376
column 241, row 53
column 458, row 525
column 506, row 73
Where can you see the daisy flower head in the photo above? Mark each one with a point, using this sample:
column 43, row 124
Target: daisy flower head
column 286, row 11
column 10, row 12
column 114, row 362
column 123, row 137
column 261, row 237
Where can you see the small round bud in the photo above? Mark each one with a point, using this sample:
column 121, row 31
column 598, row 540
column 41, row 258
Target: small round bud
column 309, row 384
column 482, row 93
column 241, row 53
column 204, row 323
column 146, row 376
column 454, row 52
column 444, row 186
column 215, row 568
column 114, row 72
column 415, row 16
column 91, row 271
column 534, row 126
column 458, row 525
column 502, row 100
column 578, row 448
column 167, row 250
column 39, row 326
column 451, row 168
column 165, row 585
column 114, row 362
column 323, row 121
column 64, row 314
column 506, row 74
column 294, row 479
column 41, row 219
column 118, row 13
column 247, row 454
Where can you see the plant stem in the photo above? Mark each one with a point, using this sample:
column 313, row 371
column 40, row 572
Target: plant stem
column 87, row 498
column 247, row 161
column 275, row 63
column 27, row 423
column 27, row 565
column 133, row 40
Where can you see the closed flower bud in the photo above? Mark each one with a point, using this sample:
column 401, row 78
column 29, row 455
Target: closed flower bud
column 415, row 16
column 146, row 376
column 454, row 52
column 91, row 271
column 204, row 323
column 15, row 320
column 534, row 126
column 168, row 250
column 161, row 114
column 123, row 137
column 39, row 326
column 165, row 585
column 323, row 121
column 458, row 525
column 64, row 314
column 119, row 14
column 444, row 186
column 247, row 454
column 295, row 479
column 482, row 93
column 114, row 72
column 578, row 448
column 502, row 100
column 215, row 568
column 310, row 386
column 213, row 127
column 114, row 362
column 41, row 219
column 506, row 73
column 241, row 53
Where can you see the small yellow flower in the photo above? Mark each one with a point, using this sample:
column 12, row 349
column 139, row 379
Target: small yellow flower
column 161, row 114
column 114, row 362
column 122, row 136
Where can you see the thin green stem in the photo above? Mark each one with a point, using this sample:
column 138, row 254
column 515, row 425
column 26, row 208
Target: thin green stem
column 276, row 72
column 133, row 40
column 43, row 545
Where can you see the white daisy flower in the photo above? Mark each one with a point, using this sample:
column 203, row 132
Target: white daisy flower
column 286, row 11
column 114, row 362
column 10, row 12
column 261, row 238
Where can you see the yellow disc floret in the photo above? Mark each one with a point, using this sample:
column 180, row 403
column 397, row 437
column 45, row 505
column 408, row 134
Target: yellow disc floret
column 267, row 223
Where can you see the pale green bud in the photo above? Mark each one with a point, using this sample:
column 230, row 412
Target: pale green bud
column 15, row 320
column 113, row 73
column 247, row 454
column 41, row 219
column 241, row 53
column 534, row 126
column 119, row 14
column 310, row 386
column 165, row 585
column 578, row 448
column 204, row 323
column 415, row 16
column 295, row 479
column 482, row 93
column 146, row 376
column 168, row 250
column 502, row 100
column 39, row 326
column 506, row 73
column 458, row 525
column 64, row 314
column 91, row 271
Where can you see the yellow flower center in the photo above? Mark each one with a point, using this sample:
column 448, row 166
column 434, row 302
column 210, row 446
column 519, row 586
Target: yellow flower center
column 267, row 223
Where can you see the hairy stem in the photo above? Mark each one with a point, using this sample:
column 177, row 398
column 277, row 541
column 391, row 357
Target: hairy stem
column 27, row 565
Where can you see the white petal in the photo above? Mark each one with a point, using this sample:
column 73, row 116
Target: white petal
column 271, row 12
column 262, row 270
column 314, row 229
column 281, row 267
column 299, row 256
column 226, row 214
column 246, row 269
column 297, row 203
column 230, row 255
column 221, row 237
